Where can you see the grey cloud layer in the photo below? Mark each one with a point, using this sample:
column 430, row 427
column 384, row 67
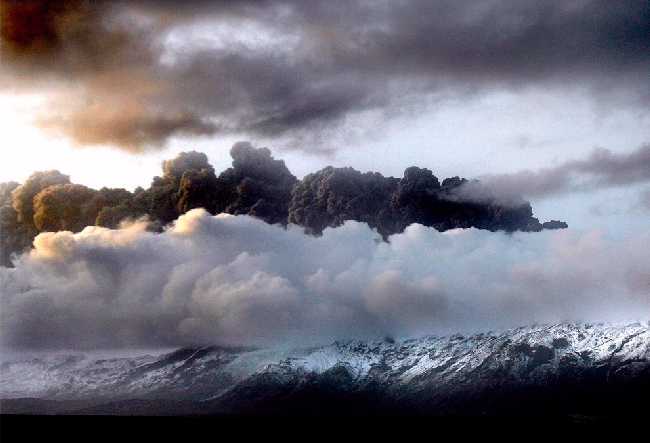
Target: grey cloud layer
column 238, row 280
column 601, row 169
column 291, row 67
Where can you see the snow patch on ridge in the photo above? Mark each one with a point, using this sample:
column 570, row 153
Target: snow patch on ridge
column 420, row 362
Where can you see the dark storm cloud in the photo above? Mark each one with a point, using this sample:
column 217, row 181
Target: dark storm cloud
column 105, row 60
column 74, row 40
column 513, row 41
column 288, row 68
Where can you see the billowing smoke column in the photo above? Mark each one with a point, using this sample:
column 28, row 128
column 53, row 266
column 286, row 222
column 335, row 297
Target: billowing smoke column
column 263, row 187
column 332, row 196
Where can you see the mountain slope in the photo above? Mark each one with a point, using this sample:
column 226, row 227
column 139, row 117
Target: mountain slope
column 563, row 370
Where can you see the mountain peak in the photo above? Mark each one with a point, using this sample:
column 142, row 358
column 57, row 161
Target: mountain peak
column 566, row 366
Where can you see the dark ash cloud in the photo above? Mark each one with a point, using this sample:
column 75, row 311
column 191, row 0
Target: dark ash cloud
column 135, row 74
column 258, row 185
column 602, row 169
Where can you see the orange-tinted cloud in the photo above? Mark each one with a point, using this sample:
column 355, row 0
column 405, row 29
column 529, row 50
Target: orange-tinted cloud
column 36, row 26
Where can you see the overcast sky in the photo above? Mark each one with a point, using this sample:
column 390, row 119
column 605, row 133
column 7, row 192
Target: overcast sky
column 547, row 98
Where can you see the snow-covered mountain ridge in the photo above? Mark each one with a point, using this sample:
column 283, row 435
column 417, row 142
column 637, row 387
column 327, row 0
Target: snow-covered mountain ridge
column 483, row 371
